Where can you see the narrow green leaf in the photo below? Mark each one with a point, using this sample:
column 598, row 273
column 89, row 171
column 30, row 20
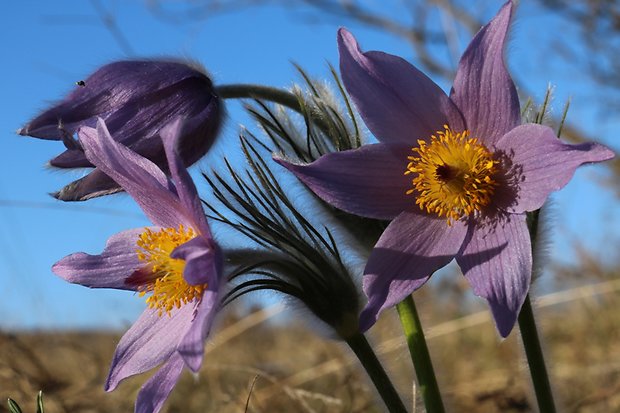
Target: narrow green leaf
column 14, row 407
column 563, row 119
column 40, row 408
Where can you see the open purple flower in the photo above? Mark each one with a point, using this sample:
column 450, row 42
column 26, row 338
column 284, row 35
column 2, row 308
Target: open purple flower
column 136, row 99
column 454, row 174
column 176, row 262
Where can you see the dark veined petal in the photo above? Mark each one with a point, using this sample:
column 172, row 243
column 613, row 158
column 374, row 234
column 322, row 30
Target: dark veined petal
column 108, row 270
column 94, row 184
column 144, row 118
column 202, row 260
column 192, row 344
column 156, row 390
column 183, row 182
column 483, row 89
column 398, row 103
column 368, row 181
column 71, row 158
column 496, row 259
column 151, row 340
column 540, row 163
column 141, row 178
column 135, row 97
column 200, row 131
column 410, row 250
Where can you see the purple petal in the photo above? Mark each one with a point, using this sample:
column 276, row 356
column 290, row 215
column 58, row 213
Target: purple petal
column 411, row 248
column 540, row 163
column 192, row 345
column 368, row 181
column 141, row 178
column 483, row 89
column 398, row 103
column 497, row 261
column 108, row 270
column 136, row 98
column 95, row 184
column 151, row 340
column 200, row 131
column 183, row 182
column 145, row 118
column 71, row 158
column 156, row 390
column 202, row 260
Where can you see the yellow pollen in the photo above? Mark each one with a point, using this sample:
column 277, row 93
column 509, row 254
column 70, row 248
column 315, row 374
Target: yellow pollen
column 165, row 282
column 453, row 174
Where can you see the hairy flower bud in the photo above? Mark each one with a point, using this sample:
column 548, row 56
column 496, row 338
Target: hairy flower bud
column 136, row 99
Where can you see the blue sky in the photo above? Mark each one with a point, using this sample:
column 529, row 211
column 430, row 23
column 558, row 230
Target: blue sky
column 48, row 46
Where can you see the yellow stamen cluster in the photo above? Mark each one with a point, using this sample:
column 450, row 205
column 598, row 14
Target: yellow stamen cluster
column 166, row 284
column 453, row 174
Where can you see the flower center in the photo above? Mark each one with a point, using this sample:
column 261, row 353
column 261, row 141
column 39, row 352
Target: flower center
column 453, row 174
column 163, row 277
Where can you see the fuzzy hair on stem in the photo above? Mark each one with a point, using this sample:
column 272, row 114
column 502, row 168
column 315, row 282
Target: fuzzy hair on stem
column 293, row 256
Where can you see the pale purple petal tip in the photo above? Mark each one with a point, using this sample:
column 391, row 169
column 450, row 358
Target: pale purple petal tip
column 108, row 270
column 141, row 178
column 496, row 259
column 398, row 103
column 192, row 345
column 183, row 182
column 483, row 89
column 151, row 340
column 539, row 163
column 368, row 181
column 411, row 248
column 156, row 390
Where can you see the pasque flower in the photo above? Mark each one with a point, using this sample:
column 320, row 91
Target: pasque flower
column 176, row 263
column 136, row 99
column 454, row 174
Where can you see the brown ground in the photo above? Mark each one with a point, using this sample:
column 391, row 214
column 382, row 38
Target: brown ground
column 294, row 370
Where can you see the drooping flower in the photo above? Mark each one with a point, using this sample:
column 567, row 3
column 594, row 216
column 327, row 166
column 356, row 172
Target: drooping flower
column 176, row 263
column 136, row 99
column 454, row 174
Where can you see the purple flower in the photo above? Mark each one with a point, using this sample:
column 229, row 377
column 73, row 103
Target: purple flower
column 454, row 174
column 176, row 262
column 136, row 99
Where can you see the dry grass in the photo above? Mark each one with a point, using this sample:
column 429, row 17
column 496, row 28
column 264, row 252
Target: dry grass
column 275, row 368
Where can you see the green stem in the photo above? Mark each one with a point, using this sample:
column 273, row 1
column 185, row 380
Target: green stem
column 531, row 341
column 248, row 91
column 373, row 367
column 271, row 94
column 419, row 355
column 535, row 359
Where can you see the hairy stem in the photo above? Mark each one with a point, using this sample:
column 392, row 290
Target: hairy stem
column 535, row 358
column 271, row 94
column 420, row 355
column 531, row 340
column 373, row 367
column 249, row 91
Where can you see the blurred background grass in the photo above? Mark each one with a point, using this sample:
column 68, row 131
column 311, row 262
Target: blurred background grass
column 271, row 363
